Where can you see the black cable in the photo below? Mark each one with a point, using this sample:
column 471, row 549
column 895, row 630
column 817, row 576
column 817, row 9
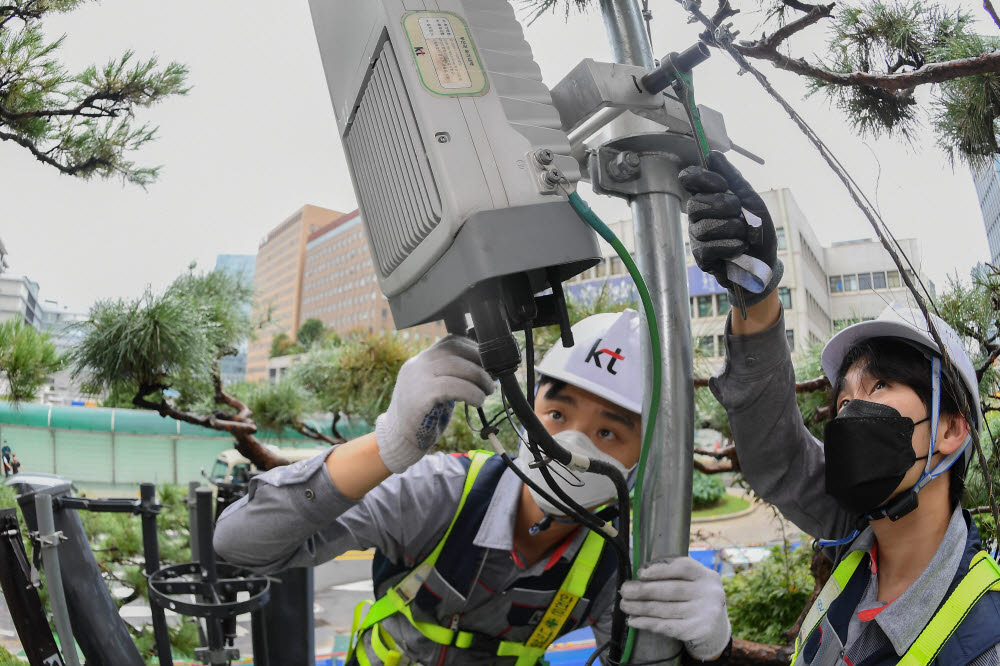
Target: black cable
column 604, row 646
column 529, row 358
column 539, row 436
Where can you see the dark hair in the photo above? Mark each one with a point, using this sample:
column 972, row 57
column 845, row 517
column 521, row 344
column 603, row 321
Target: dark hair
column 897, row 360
column 555, row 385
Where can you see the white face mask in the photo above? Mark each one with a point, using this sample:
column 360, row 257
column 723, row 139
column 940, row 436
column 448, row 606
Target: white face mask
column 586, row 488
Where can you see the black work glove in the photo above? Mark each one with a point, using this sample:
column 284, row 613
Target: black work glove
column 718, row 229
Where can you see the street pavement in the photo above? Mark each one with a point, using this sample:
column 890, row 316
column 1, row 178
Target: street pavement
column 342, row 583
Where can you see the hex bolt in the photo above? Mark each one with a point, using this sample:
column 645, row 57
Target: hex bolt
column 624, row 166
column 544, row 156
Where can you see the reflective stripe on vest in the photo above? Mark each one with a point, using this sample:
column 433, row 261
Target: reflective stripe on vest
column 397, row 599
column 834, row 586
column 983, row 576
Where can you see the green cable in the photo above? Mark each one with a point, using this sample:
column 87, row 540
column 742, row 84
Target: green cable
column 591, row 218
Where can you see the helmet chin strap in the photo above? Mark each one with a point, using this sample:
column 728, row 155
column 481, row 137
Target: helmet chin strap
column 907, row 501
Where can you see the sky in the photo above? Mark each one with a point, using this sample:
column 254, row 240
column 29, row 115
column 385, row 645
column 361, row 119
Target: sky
column 256, row 138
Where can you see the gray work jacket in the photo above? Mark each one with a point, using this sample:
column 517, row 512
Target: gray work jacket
column 785, row 465
column 294, row 516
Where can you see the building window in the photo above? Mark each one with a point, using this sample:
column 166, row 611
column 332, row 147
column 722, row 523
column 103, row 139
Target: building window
column 864, row 281
column 892, row 279
column 878, row 280
column 706, row 345
column 836, row 285
column 722, row 301
column 850, row 283
column 790, row 336
column 705, row 306
column 782, row 243
column 785, row 296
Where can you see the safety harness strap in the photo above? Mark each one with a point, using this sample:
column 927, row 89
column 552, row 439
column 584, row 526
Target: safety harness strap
column 838, row 581
column 983, row 576
column 398, row 598
column 562, row 606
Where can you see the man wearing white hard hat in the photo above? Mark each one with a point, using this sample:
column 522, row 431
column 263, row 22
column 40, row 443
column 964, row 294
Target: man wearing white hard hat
column 911, row 584
column 471, row 565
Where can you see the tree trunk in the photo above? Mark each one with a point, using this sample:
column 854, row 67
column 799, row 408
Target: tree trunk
column 748, row 653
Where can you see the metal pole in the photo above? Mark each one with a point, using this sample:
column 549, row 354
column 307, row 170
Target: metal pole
column 666, row 499
column 151, row 553
column 49, row 538
column 629, row 42
column 206, row 561
column 192, row 499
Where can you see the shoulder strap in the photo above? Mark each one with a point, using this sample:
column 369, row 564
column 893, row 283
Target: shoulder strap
column 838, row 581
column 983, row 577
column 572, row 589
column 397, row 598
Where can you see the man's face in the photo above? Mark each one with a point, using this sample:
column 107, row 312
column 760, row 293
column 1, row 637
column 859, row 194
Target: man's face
column 860, row 384
column 613, row 429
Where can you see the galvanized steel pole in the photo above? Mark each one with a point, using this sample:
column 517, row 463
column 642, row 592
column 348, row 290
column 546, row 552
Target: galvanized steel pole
column 49, row 538
column 665, row 518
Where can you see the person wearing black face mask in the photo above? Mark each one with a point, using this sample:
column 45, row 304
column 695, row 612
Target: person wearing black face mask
column 911, row 583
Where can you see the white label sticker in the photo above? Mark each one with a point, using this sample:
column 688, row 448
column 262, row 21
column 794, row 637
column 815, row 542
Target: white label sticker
column 445, row 53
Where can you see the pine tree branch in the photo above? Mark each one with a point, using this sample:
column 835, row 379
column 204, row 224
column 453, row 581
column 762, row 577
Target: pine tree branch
column 312, row 433
column 988, row 6
column 243, row 413
column 164, row 408
column 714, row 467
column 815, row 14
column 44, row 157
column 801, row 6
column 938, row 72
column 723, row 12
column 727, row 452
column 994, row 355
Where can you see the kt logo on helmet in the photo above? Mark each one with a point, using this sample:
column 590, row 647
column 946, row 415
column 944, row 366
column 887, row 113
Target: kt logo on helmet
column 595, row 356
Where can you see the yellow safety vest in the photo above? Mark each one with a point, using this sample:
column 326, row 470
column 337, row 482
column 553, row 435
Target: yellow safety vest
column 397, row 600
column 983, row 576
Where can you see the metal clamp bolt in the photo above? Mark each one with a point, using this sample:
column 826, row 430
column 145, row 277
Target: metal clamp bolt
column 624, row 166
column 551, row 178
column 544, row 156
column 724, row 34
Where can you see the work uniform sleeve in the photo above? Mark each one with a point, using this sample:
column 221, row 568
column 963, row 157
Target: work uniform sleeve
column 294, row 516
column 779, row 457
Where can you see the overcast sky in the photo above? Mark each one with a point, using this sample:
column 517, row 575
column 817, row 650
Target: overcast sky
column 255, row 139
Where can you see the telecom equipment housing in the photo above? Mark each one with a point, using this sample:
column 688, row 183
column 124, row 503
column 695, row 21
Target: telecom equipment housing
column 449, row 132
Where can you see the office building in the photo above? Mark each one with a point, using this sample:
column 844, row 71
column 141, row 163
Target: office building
column 987, row 181
column 863, row 279
column 340, row 286
column 823, row 288
column 233, row 368
column 278, row 282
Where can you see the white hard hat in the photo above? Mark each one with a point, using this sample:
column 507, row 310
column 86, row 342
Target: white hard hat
column 606, row 359
column 898, row 321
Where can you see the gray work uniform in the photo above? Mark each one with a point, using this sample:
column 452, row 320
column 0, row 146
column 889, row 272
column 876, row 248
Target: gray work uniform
column 294, row 516
column 785, row 465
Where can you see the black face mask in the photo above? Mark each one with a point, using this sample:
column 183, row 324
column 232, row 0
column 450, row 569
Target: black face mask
column 869, row 449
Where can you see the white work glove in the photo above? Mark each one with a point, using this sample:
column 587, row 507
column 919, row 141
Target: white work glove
column 680, row 599
column 424, row 396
